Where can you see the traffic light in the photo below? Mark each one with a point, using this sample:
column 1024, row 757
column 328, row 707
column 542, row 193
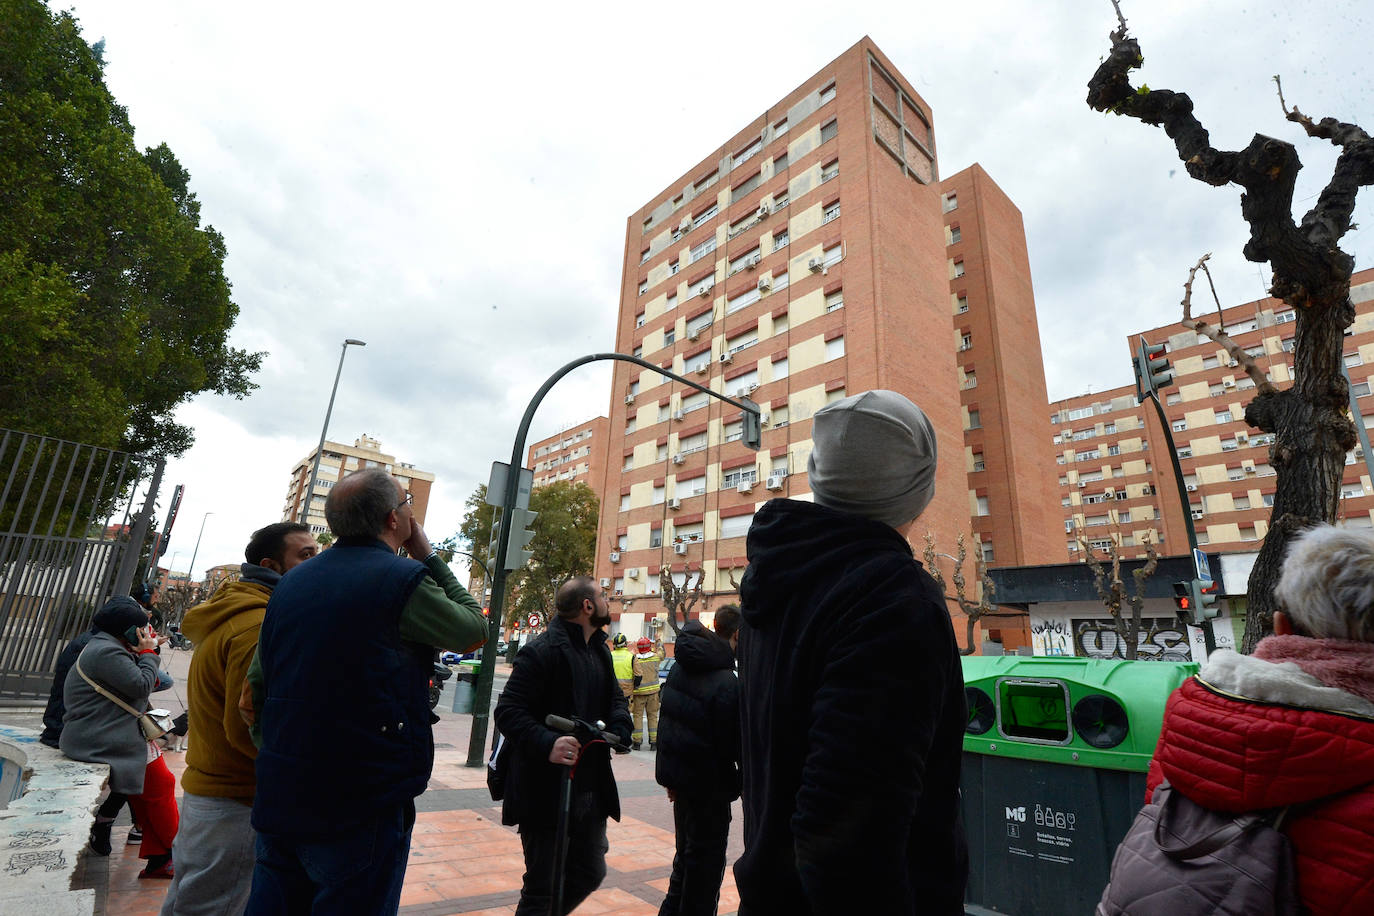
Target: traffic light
column 752, row 426
column 1152, row 370
column 517, row 551
column 1183, row 598
column 1204, row 595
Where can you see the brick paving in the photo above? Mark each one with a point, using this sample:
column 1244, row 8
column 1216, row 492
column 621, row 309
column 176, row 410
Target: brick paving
column 462, row 861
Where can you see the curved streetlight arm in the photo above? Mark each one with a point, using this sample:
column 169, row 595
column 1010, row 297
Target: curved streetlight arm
column 487, row 672
column 319, row 449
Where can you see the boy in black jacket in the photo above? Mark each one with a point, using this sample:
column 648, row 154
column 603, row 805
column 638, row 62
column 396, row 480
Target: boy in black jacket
column 698, row 760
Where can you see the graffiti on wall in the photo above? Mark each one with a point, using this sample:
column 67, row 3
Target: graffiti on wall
column 1160, row 639
column 1050, row 637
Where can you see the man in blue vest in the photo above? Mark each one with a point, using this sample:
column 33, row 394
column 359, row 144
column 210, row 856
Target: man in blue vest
column 343, row 665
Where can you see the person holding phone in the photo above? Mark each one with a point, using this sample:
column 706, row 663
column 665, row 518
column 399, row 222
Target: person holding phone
column 121, row 659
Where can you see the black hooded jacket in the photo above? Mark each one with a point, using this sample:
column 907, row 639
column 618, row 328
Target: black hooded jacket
column 698, row 723
column 852, row 715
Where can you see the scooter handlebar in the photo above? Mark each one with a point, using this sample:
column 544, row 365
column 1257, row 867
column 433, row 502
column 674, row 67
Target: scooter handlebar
column 576, row 726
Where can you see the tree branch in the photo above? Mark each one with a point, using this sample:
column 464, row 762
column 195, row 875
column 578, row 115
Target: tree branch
column 1218, row 334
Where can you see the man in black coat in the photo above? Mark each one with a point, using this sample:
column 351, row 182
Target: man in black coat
column 565, row 672
column 698, row 760
column 852, row 695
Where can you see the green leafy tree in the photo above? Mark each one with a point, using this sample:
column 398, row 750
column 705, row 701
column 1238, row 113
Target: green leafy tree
column 113, row 296
column 564, row 544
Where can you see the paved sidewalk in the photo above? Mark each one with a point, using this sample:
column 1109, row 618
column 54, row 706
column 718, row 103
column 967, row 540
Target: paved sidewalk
column 462, row 861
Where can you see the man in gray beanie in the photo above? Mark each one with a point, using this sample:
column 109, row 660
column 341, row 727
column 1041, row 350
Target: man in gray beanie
column 852, row 694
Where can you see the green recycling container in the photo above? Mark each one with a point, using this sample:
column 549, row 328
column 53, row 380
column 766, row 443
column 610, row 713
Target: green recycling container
column 1055, row 756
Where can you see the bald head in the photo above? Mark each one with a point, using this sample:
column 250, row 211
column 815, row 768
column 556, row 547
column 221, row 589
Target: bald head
column 360, row 503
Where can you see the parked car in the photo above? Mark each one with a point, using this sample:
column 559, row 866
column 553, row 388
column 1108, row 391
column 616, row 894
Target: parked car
column 664, row 667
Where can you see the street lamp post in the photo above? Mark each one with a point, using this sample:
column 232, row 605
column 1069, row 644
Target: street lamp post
column 319, row 449
column 197, row 550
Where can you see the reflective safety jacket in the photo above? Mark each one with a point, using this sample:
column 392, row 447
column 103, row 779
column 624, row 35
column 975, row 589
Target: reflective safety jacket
column 624, row 661
column 646, row 671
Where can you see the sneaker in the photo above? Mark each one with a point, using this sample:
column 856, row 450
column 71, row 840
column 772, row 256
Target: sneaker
column 157, row 871
column 100, row 838
column 135, row 835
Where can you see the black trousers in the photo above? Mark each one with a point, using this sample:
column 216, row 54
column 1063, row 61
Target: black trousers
column 702, row 825
column 583, row 871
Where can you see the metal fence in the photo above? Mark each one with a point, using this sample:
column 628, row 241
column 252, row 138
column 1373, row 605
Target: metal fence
column 70, row 532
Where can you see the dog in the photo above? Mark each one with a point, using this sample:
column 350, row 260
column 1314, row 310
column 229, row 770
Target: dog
column 175, row 740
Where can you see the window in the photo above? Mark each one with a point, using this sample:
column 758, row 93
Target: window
column 639, row 350
column 978, row 463
column 1360, row 389
column 748, row 152
column 833, row 254
column 830, row 170
column 694, row 486
column 669, row 337
column 950, row 202
column 1267, row 499
column 1173, row 399
column 731, row 479
column 834, row 349
column 695, row 401
column 622, row 542
column 702, row 249
column 624, row 502
column 689, row 444
column 1243, row 502
column 644, row 256
column 955, row 236
column 961, row 304
column 741, row 190
column 673, row 267
column 970, row 380
column 958, row 269
column 780, row 369
column 733, row 431
column 827, row 93
column 705, row 215
column 736, row 526
column 662, row 449
column 630, row 426
column 974, row 421
column 781, row 239
column 1185, row 452
column 658, row 495
column 829, row 130
column 834, row 300
column 745, row 382
column 671, row 303
column 664, row 412
column 780, row 417
column 639, row 320
column 742, row 341
column 982, row 503
column 656, row 537
column 706, row 182
column 837, row 395
column 965, row 342
column 780, row 127
column 1223, row 416
column 1353, row 359
column 634, row 388
column 780, row 325
column 1113, row 450
column 700, row 322
column 744, row 261
column 779, row 201
column 1210, row 362
column 832, row 212
column 696, row 361
column 1179, row 426
column 779, row 162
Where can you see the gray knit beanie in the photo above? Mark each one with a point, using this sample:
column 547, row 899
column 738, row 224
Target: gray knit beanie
column 873, row 455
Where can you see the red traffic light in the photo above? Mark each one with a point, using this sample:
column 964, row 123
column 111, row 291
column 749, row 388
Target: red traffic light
column 1183, row 596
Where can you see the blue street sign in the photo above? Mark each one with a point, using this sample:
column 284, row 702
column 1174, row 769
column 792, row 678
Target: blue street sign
column 1204, row 571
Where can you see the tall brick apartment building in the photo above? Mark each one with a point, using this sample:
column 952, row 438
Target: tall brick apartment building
column 813, row 255
column 1116, row 480
column 576, row 453
column 339, row 460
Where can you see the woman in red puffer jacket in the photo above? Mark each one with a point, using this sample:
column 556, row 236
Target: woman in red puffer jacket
column 1293, row 724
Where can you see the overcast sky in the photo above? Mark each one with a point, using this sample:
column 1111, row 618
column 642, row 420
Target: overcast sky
column 450, row 182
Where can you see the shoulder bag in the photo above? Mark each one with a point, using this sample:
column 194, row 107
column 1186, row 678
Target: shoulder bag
column 154, row 723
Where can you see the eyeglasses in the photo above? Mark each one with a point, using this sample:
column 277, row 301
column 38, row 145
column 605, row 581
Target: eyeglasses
column 410, row 498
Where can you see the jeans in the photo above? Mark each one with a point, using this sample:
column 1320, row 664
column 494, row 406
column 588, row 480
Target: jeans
column 213, row 856
column 357, row 871
column 584, row 869
column 702, row 826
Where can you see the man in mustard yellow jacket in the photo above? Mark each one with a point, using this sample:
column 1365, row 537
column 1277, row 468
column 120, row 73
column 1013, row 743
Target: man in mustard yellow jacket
column 214, row 849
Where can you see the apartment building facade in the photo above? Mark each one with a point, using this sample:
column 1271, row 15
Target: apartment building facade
column 1115, row 477
column 576, row 453
column 806, row 259
column 339, row 460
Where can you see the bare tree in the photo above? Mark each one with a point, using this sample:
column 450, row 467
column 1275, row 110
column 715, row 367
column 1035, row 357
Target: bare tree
column 680, row 599
column 1112, row 590
column 973, row 609
column 1312, row 430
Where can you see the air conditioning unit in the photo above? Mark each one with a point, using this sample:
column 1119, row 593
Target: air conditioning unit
column 1082, row 485
column 632, row 573
column 1110, row 494
column 815, row 265
column 1198, row 513
column 680, row 549
column 765, row 284
column 678, row 459
column 685, row 225
column 694, row 335
column 629, row 399
column 774, row 482
column 703, row 368
column 605, row 583
column 703, row 291
column 727, row 356
column 745, row 486
column 1232, row 363
column 1228, row 383
column 753, row 386
column 615, row 556
column 753, row 262
column 762, row 211
column 1242, row 437
column 1191, row 488
column 678, row 414
column 674, row 503
column 742, row 392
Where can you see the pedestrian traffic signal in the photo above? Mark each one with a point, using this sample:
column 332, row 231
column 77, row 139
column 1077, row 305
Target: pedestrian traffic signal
column 1183, row 598
column 1152, row 370
column 518, row 551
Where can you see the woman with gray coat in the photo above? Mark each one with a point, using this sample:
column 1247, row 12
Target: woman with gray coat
column 122, row 659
